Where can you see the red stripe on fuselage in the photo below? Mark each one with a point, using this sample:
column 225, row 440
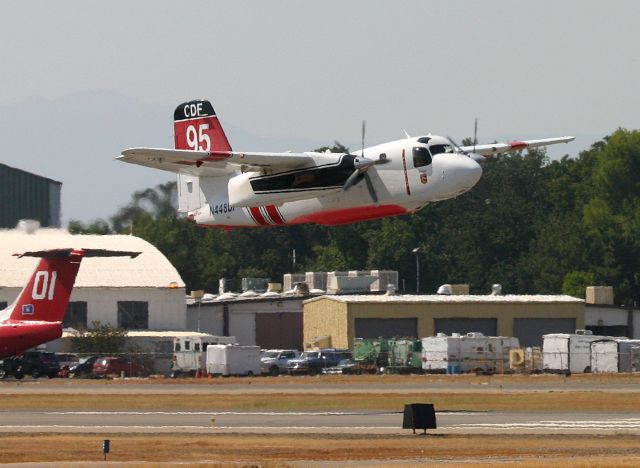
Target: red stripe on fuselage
column 257, row 216
column 273, row 213
column 406, row 176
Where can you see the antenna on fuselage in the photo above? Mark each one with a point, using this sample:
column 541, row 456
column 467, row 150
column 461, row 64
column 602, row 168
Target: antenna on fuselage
column 475, row 134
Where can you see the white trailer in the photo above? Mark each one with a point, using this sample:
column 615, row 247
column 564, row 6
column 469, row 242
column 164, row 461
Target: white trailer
column 604, row 356
column 233, row 360
column 615, row 355
column 189, row 351
column 568, row 353
column 472, row 352
column 629, row 360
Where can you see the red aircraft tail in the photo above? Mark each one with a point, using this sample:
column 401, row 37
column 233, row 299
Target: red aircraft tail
column 46, row 296
column 196, row 127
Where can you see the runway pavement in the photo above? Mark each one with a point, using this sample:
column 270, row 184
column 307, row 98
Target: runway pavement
column 314, row 422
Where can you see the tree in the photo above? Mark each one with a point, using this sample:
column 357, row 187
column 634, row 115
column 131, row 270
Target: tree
column 100, row 339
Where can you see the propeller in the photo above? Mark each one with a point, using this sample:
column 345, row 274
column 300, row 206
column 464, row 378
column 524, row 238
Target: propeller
column 473, row 155
column 361, row 165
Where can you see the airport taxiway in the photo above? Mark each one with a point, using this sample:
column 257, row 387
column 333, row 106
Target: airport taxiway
column 314, row 422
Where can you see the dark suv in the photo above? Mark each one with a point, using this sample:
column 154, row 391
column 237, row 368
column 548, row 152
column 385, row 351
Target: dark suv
column 312, row 362
column 34, row 363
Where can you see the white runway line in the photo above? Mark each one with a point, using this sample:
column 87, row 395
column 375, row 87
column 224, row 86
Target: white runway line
column 245, row 413
column 557, row 424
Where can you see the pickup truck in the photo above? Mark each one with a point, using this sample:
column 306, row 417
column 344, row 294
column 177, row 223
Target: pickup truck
column 313, row 362
column 274, row 361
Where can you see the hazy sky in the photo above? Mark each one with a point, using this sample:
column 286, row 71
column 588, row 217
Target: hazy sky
column 313, row 70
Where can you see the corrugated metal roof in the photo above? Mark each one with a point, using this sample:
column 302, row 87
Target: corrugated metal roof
column 435, row 298
column 152, row 334
column 150, row 269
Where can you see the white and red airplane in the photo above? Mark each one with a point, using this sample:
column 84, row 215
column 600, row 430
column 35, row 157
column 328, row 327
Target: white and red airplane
column 220, row 187
column 36, row 315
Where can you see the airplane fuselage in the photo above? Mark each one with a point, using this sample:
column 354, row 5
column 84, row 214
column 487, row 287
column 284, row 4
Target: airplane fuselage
column 404, row 184
column 18, row 336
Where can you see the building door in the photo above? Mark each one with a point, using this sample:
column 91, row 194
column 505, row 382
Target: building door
column 529, row 331
column 282, row 330
column 463, row 325
column 386, row 328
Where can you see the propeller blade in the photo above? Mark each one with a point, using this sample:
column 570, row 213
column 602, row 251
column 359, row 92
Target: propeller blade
column 351, row 181
column 372, row 191
column 475, row 134
column 363, row 130
column 455, row 145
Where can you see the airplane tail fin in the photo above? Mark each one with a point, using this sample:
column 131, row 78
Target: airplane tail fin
column 196, row 127
column 46, row 295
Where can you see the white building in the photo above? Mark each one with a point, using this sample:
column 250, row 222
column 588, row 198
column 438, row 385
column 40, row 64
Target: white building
column 145, row 293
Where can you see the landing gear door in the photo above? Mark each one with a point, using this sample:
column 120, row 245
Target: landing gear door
column 189, row 194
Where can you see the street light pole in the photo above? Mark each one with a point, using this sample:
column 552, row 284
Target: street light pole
column 416, row 252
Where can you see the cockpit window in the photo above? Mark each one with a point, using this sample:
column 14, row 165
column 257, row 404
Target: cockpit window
column 424, row 140
column 437, row 149
column 421, row 156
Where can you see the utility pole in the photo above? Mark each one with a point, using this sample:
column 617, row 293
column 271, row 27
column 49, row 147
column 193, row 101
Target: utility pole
column 416, row 251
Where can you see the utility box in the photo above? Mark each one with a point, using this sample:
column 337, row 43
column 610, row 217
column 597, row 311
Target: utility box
column 599, row 295
column 384, row 278
column 233, row 360
column 290, row 279
column 419, row 416
column 316, row 279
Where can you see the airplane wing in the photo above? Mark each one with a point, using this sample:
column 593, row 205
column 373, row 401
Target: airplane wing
column 212, row 163
column 496, row 148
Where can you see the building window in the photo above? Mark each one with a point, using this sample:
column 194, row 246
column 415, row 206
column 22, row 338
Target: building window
column 76, row 315
column 133, row 315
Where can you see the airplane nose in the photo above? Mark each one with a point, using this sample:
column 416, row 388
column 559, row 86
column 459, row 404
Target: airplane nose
column 468, row 172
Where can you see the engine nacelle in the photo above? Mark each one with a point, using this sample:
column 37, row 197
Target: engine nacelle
column 255, row 189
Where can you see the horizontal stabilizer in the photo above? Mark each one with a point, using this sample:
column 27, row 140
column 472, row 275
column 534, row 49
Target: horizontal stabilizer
column 64, row 253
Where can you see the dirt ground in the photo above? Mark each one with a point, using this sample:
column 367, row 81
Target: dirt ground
column 342, row 450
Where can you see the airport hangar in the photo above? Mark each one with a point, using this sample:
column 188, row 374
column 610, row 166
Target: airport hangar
column 142, row 293
column 342, row 318
column 26, row 195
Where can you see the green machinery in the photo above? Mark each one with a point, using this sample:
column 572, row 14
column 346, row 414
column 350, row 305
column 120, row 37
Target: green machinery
column 392, row 355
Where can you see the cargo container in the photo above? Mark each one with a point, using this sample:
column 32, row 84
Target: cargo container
column 615, row 355
column 568, row 353
column 471, row 352
column 233, row 360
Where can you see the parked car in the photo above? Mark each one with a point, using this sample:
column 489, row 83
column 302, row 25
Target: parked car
column 67, row 359
column 111, row 365
column 345, row 366
column 312, row 362
column 84, row 367
column 274, row 361
column 33, row 363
